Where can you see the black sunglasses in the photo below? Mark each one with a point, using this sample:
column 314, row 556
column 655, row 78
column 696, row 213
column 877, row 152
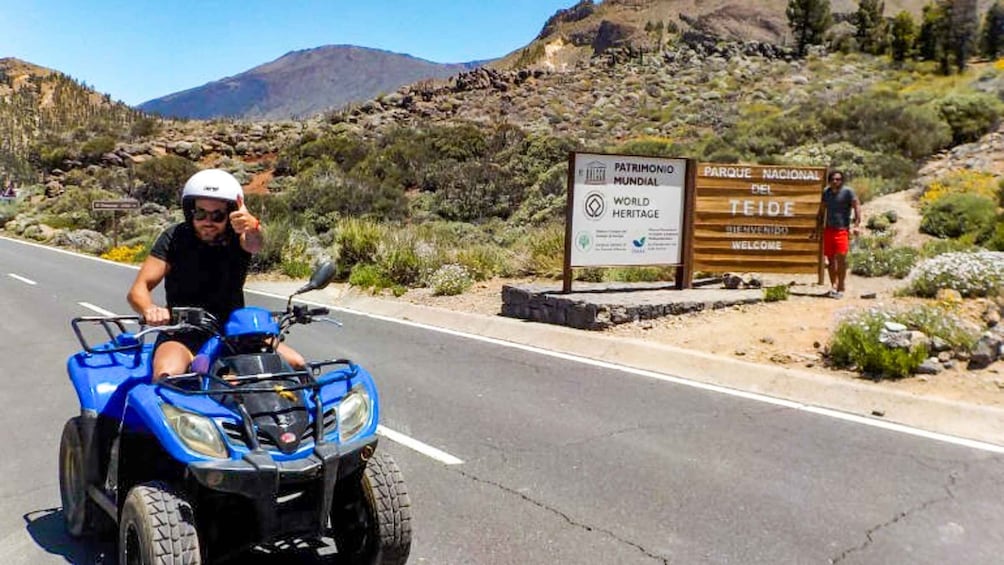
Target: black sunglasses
column 215, row 216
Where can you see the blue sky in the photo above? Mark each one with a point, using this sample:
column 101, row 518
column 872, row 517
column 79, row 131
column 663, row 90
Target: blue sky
column 136, row 50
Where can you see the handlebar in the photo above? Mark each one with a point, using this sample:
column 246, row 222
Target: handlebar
column 183, row 319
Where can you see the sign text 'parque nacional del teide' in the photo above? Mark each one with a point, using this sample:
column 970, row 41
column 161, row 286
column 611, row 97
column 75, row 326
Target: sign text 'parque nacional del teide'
column 753, row 218
column 624, row 210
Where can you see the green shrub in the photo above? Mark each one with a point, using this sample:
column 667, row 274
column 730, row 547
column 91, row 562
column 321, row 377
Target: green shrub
column 546, row 248
column 957, row 214
column 357, row 242
column 882, row 261
column 95, row 147
column 472, row 190
column 295, row 260
column 399, row 260
column 970, row 115
column 640, row 274
column 51, row 155
column 145, row 127
column 450, row 280
column 935, row 247
column 372, row 277
column 884, row 121
column 996, row 239
column 855, row 344
column 776, row 293
column 971, row 274
column 324, row 188
column 878, row 223
column 482, row 261
column 163, row 178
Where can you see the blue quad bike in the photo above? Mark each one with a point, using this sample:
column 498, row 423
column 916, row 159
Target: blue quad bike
column 242, row 451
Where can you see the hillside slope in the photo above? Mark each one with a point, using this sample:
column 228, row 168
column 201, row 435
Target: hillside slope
column 302, row 83
column 588, row 28
column 36, row 102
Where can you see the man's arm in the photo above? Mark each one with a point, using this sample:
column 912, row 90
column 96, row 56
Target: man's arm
column 151, row 273
column 857, row 211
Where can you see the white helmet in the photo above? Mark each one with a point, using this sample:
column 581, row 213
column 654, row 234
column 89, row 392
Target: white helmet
column 210, row 183
column 213, row 183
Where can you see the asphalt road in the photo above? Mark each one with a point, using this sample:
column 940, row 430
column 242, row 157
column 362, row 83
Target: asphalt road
column 562, row 461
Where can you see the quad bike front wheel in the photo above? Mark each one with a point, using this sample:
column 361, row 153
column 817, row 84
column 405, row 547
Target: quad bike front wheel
column 157, row 527
column 81, row 515
column 371, row 516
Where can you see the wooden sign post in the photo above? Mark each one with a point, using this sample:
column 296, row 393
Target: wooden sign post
column 758, row 218
column 114, row 206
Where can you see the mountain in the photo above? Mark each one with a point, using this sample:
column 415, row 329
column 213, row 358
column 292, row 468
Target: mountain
column 302, row 83
column 588, row 28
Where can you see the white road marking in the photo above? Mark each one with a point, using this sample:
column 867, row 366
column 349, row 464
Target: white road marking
column 104, row 312
column 423, row 448
column 97, row 309
column 847, row 417
column 22, row 279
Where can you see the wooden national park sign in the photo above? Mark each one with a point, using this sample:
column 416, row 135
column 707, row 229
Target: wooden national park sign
column 757, row 218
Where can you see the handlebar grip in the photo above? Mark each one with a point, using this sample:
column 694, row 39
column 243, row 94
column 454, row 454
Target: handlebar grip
column 318, row 312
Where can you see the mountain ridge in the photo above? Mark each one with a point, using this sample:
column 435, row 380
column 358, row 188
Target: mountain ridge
column 303, row 82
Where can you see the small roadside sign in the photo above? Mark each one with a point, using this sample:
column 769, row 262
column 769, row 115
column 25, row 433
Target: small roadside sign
column 127, row 204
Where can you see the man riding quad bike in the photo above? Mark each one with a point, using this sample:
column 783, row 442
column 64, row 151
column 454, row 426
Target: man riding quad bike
column 241, row 451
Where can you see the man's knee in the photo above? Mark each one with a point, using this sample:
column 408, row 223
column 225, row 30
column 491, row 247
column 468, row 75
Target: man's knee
column 170, row 358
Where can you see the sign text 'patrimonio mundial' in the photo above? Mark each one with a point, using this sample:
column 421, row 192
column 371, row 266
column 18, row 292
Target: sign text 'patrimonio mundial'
column 627, row 210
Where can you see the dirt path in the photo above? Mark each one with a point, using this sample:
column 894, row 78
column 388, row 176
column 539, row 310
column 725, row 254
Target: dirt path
column 906, row 230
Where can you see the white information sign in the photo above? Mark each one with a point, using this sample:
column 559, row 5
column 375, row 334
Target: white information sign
column 627, row 210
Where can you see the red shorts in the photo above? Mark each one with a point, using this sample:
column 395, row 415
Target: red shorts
column 836, row 241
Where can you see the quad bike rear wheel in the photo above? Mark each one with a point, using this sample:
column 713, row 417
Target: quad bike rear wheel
column 157, row 527
column 81, row 515
column 371, row 516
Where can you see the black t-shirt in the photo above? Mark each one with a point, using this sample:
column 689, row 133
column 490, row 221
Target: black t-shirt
column 207, row 276
column 838, row 207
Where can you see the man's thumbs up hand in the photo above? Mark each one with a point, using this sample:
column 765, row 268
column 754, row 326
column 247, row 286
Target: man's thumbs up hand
column 242, row 220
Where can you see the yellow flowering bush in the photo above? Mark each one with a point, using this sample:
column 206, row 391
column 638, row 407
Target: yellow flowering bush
column 960, row 182
column 124, row 254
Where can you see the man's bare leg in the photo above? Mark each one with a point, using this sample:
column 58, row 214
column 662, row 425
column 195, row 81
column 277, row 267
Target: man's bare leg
column 831, row 269
column 170, row 358
column 841, row 261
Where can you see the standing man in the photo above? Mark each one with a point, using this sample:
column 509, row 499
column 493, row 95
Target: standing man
column 203, row 262
column 838, row 201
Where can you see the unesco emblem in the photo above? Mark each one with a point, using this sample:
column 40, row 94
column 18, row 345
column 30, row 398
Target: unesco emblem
column 594, row 205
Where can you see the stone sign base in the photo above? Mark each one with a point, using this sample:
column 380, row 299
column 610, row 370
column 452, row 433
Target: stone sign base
column 595, row 306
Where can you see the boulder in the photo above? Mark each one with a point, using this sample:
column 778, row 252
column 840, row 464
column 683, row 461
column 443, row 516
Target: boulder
column 987, row 351
column 930, row 366
column 895, row 340
column 88, row 241
column 39, row 232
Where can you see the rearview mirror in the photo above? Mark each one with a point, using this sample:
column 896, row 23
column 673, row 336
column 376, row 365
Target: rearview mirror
column 322, row 276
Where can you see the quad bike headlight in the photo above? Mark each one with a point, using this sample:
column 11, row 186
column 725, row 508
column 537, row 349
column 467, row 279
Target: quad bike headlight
column 197, row 432
column 354, row 413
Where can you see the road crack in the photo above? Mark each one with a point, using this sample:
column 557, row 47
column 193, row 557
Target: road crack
column 568, row 519
column 949, row 495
